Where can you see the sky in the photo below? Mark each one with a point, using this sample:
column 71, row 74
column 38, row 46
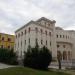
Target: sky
column 16, row 13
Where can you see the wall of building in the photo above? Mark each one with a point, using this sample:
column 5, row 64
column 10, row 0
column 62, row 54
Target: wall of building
column 7, row 41
column 54, row 38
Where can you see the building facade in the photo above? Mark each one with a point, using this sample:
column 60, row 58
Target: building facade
column 7, row 41
column 57, row 40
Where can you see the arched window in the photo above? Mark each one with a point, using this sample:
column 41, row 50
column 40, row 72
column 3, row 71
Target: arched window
column 29, row 29
column 46, row 42
column 63, row 36
column 41, row 31
column 64, row 55
column 69, row 55
column 21, row 33
column 57, row 36
column 25, row 32
column 66, row 36
column 36, row 29
column 60, row 36
column 59, row 55
column 58, row 46
column 41, row 41
column 49, row 33
column 16, row 36
column 29, row 40
column 46, row 32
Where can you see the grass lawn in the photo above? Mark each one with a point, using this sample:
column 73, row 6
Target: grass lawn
column 28, row 71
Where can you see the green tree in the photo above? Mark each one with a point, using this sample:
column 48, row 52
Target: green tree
column 8, row 56
column 38, row 58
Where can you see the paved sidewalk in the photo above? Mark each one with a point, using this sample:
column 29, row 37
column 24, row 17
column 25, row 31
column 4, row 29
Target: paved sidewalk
column 2, row 66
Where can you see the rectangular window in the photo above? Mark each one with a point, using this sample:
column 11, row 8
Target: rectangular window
column 9, row 47
column 49, row 33
column 29, row 40
column 63, row 46
column 36, row 29
column 2, row 38
column 50, row 43
column 57, row 36
column 63, row 36
column 21, row 33
column 60, row 36
column 58, row 46
column 46, row 42
column 41, row 41
column 25, row 32
column 9, row 39
column 25, row 42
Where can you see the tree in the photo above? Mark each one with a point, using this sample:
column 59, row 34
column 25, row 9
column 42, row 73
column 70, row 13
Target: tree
column 38, row 58
column 8, row 56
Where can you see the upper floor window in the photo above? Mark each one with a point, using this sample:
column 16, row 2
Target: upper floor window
column 21, row 33
column 41, row 41
column 60, row 36
column 41, row 31
column 57, row 36
column 58, row 46
column 45, row 23
column 25, row 42
column 16, row 36
column 46, row 42
column 46, row 32
column 9, row 39
column 21, row 43
column 63, row 36
column 48, row 24
column 36, row 29
column 49, row 33
column 66, row 36
column 25, row 32
column 29, row 40
column 2, row 38
column 64, row 46
column 29, row 29
column 50, row 43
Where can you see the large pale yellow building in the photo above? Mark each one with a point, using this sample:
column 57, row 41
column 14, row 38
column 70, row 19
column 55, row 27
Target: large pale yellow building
column 7, row 41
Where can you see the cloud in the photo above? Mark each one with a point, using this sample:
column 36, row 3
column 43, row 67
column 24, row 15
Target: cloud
column 16, row 13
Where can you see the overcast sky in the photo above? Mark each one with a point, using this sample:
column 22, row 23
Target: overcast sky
column 16, row 13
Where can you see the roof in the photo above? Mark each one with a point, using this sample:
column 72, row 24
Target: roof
column 58, row 28
column 6, row 34
column 24, row 26
column 36, row 22
column 43, row 18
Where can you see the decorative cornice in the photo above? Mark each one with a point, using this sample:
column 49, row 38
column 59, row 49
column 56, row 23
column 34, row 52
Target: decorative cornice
column 43, row 18
column 25, row 26
column 31, row 22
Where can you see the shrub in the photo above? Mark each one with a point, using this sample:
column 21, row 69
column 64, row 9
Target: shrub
column 8, row 56
column 38, row 58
